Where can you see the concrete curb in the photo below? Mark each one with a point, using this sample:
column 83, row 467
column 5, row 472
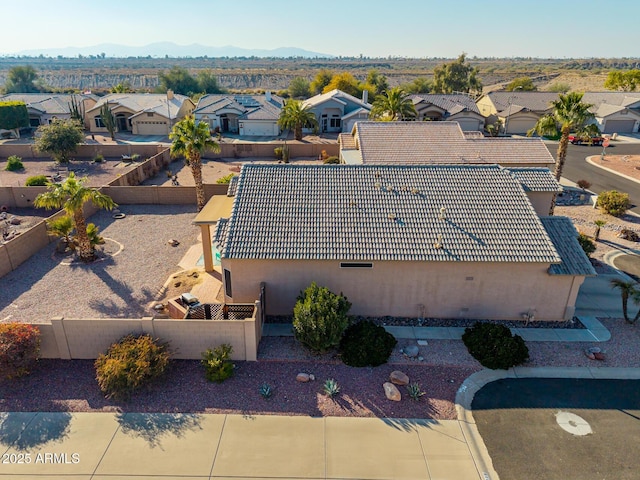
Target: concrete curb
column 473, row 383
column 590, row 159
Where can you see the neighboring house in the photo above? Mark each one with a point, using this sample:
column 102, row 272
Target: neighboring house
column 337, row 111
column 455, row 108
column 517, row 111
column 615, row 112
column 141, row 113
column 444, row 241
column 246, row 115
column 423, row 143
column 43, row 108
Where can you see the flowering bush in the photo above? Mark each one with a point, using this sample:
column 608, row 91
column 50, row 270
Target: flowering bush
column 19, row 349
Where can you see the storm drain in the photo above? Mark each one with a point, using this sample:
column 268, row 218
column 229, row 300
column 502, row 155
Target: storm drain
column 573, row 423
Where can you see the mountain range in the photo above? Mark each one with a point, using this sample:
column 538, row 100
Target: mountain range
column 162, row 49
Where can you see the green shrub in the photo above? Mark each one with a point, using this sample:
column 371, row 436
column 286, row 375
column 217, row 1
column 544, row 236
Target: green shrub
column 217, row 363
column 613, row 202
column 587, row 244
column 36, row 181
column 19, row 349
column 131, row 363
column 331, row 161
column 99, row 158
column 14, row 163
column 320, row 318
column 331, row 387
column 278, row 152
column 494, row 346
column 226, row 178
column 135, row 157
column 366, row 344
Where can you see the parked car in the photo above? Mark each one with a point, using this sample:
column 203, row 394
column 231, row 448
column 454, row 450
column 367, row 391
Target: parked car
column 580, row 139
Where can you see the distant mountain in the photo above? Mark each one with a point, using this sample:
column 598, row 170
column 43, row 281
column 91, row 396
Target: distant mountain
column 170, row 49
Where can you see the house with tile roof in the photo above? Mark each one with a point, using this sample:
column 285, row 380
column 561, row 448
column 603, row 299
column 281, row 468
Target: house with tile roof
column 337, row 111
column 246, row 115
column 43, row 108
column 141, row 113
column 422, row 143
column 444, row 241
column 454, row 108
column 615, row 112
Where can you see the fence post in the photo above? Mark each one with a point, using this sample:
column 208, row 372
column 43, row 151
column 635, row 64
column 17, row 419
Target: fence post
column 147, row 326
column 61, row 337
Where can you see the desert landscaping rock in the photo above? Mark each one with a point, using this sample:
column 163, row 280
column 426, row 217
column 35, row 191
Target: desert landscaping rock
column 411, row 351
column 399, row 378
column 391, row 392
column 303, row 377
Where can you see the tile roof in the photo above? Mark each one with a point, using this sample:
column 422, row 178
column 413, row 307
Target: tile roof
column 145, row 102
column 536, row 179
column 621, row 99
column 49, row 103
column 359, row 212
column 453, row 103
column 347, row 141
column 419, row 143
column 534, row 101
column 233, row 186
column 565, row 239
column 335, row 94
column 220, row 233
column 250, row 107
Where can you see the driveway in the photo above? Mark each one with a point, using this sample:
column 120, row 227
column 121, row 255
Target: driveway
column 576, row 168
column 517, row 421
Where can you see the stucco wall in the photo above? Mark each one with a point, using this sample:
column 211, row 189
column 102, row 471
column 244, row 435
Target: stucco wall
column 541, row 202
column 445, row 289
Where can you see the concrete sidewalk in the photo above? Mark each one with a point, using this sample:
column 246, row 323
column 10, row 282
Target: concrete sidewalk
column 102, row 446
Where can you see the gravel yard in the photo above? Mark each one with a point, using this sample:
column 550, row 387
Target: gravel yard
column 119, row 286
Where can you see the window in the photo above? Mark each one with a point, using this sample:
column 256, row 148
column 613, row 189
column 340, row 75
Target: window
column 149, row 114
column 227, row 283
column 356, row 265
column 335, row 122
column 99, row 122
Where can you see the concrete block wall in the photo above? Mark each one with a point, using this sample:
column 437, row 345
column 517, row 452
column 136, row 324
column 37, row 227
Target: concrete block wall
column 83, row 151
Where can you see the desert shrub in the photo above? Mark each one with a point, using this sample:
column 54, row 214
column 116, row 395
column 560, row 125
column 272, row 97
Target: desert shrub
column 613, row 202
column 494, row 346
column 14, row 163
column 225, row 179
column 583, row 184
column 366, row 344
column 278, row 152
column 587, row 244
column 19, row 349
column 320, row 318
column 36, row 181
column 331, row 161
column 132, row 362
column 135, row 157
column 99, row 158
column 217, row 363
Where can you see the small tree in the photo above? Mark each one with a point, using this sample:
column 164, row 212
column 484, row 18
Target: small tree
column 627, row 290
column 299, row 88
column 297, row 116
column 108, row 119
column 456, row 76
column 320, row 318
column 614, row 203
column 583, row 184
column 599, row 224
column 13, row 116
column 60, row 139
column 19, row 349
column 62, row 227
column 521, row 83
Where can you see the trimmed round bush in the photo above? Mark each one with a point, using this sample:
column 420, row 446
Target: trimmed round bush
column 614, row 203
column 36, row 181
column 132, row 362
column 494, row 346
column 366, row 344
column 320, row 318
column 19, row 349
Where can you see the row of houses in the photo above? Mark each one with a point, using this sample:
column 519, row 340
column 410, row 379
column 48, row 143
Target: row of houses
column 335, row 111
column 436, row 224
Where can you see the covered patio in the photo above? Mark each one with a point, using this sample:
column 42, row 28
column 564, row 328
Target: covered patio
column 219, row 206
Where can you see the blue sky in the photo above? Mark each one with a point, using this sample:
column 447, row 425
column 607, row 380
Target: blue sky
column 417, row 28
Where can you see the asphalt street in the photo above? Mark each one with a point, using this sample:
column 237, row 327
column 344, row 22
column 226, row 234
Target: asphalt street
column 576, row 168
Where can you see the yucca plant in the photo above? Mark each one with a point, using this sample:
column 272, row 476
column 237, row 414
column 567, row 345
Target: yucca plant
column 266, row 390
column 415, row 392
column 331, row 387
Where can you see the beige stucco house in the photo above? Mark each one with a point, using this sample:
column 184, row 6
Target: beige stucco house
column 43, row 108
column 453, row 108
column 141, row 113
column 337, row 111
column 615, row 112
column 444, row 241
column 423, row 143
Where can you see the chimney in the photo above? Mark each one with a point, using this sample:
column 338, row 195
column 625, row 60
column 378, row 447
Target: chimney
column 365, row 96
column 169, row 94
column 267, row 95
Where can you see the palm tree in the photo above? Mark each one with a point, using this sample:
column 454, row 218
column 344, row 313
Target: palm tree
column 627, row 289
column 297, row 116
column 62, row 227
column 71, row 195
column 191, row 139
column 599, row 224
column 568, row 113
column 394, row 105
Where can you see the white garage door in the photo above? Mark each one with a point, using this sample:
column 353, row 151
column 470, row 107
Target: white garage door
column 520, row 126
column 468, row 124
column 260, row 129
column 619, row 126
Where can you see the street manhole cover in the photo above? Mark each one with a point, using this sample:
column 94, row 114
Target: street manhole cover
column 573, row 423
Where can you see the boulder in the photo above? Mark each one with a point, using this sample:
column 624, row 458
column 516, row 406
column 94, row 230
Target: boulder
column 392, row 392
column 303, row 377
column 398, row 378
column 411, row 351
column 173, row 242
